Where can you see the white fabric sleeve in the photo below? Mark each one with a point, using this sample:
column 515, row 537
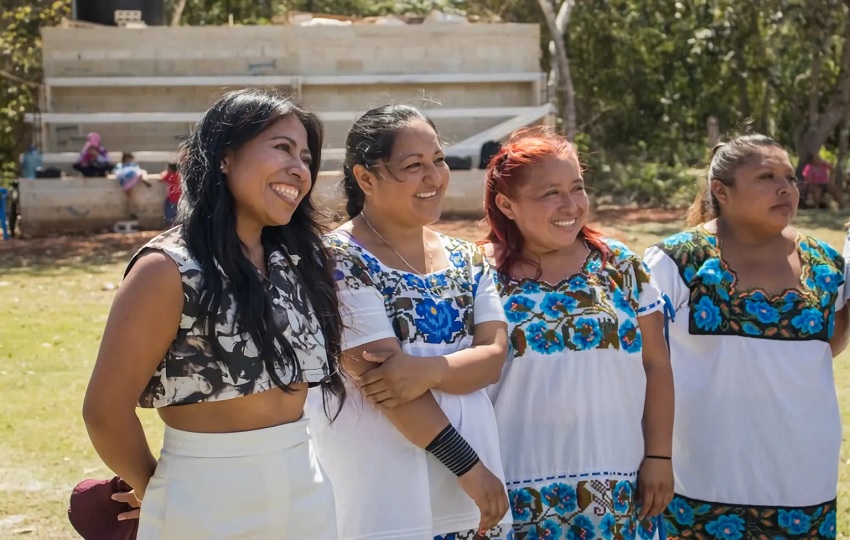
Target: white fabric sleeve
column 487, row 304
column 665, row 275
column 364, row 317
column 650, row 299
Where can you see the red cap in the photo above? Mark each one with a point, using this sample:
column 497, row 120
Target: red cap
column 94, row 514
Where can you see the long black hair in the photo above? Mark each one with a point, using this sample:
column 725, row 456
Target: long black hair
column 371, row 140
column 209, row 228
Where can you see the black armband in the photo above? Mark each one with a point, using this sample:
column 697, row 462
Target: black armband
column 453, row 451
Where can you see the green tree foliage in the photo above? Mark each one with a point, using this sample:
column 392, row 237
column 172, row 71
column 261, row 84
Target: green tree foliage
column 20, row 71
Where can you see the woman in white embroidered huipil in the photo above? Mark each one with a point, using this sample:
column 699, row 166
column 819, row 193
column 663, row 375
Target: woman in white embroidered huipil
column 419, row 457
column 585, row 404
column 757, row 430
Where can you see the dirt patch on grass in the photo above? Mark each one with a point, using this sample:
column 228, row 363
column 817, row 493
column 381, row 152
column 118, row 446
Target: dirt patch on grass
column 112, row 248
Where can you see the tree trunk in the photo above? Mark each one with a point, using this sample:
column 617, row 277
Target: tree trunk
column 841, row 161
column 814, row 88
column 179, row 6
column 836, row 110
column 561, row 62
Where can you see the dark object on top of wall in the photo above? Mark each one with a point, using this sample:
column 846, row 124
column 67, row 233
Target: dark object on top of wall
column 103, row 11
column 456, row 163
column 488, row 150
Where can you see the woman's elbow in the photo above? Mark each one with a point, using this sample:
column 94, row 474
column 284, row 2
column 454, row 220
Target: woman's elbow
column 499, row 356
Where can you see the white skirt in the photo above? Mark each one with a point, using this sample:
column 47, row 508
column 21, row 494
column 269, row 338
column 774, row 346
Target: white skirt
column 261, row 484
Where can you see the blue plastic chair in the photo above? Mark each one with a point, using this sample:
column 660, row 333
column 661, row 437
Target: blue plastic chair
column 4, row 193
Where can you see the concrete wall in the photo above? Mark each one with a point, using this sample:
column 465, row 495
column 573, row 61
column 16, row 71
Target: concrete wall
column 282, row 51
column 291, row 50
column 72, row 205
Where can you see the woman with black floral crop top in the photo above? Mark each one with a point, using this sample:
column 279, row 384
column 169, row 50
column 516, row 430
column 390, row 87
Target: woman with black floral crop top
column 215, row 327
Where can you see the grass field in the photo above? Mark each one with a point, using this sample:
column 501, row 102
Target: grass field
column 54, row 298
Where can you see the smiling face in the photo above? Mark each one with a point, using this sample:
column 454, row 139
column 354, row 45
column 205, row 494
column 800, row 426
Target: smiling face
column 408, row 187
column 270, row 174
column 764, row 195
column 549, row 205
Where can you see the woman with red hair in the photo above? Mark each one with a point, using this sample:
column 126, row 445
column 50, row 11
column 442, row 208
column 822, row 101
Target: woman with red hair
column 585, row 403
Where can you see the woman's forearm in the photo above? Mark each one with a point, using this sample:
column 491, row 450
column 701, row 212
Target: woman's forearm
column 658, row 410
column 468, row 370
column 121, row 444
column 420, row 420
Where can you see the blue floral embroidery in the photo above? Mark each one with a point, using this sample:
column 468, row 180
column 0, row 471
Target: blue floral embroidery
column 414, row 281
column 458, row 258
column 809, row 321
column 730, row 527
column 606, row 526
column 682, row 512
column 581, row 528
column 518, row 308
column 623, row 304
column 763, row 311
column 521, row 503
column 630, row 337
column 577, row 283
column 588, row 334
column 794, row 521
column 707, row 314
column 594, row 265
column 438, row 321
column 561, row 497
column 529, row 287
column 544, row 340
column 827, row 529
column 622, row 496
column 788, row 316
column 557, row 305
column 372, row 264
column 826, row 278
column 548, row 530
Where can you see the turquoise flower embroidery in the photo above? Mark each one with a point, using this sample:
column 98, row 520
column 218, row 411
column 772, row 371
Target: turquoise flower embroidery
column 809, row 321
column 606, row 526
column 560, row 497
column 727, row 527
column 544, row 340
column 682, row 512
column 581, row 528
column 707, row 314
column 594, row 265
column 794, row 521
column 622, row 303
column 518, row 308
column 577, row 283
column 712, row 273
column 828, row 526
column 647, row 532
column 521, row 503
column 622, row 494
column 764, row 312
column 826, row 278
column 630, row 337
column 529, row 287
column 587, row 333
column 751, row 329
column 690, row 272
column 680, row 238
column 438, row 321
column 557, row 305
column 549, row 529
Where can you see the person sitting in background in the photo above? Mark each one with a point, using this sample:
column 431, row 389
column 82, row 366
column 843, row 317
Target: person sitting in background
column 128, row 174
column 172, row 179
column 31, row 162
column 817, row 175
column 93, row 160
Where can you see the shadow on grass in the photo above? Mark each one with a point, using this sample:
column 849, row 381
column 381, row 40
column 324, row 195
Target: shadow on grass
column 823, row 219
column 61, row 254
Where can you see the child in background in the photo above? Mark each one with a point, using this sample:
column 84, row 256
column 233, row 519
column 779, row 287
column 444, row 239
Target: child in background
column 172, row 178
column 129, row 174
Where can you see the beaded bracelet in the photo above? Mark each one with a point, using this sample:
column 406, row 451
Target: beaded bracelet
column 453, row 451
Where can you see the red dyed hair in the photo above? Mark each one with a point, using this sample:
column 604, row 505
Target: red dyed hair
column 507, row 171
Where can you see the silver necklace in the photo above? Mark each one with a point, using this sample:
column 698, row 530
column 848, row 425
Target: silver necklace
column 384, row 240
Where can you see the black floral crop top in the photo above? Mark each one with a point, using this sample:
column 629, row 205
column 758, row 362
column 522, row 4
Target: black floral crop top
column 192, row 371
